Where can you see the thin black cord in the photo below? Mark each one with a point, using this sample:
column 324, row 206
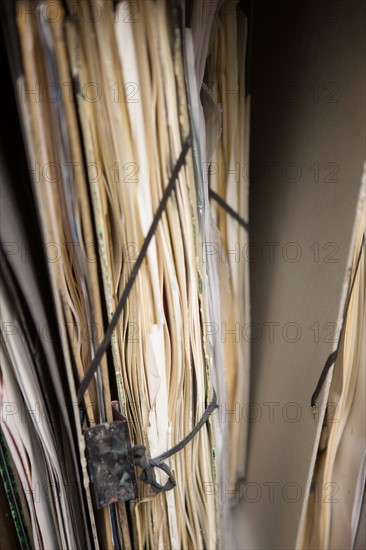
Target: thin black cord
column 333, row 356
column 228, row 209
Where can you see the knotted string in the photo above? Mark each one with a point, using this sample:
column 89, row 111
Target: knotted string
column 147, row 464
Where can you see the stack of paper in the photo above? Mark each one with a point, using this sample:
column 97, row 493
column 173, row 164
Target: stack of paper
column 109, row 94
column 335, row 501
column 224, row 98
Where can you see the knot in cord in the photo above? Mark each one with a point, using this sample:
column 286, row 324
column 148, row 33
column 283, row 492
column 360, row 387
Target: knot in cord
column 147, row 464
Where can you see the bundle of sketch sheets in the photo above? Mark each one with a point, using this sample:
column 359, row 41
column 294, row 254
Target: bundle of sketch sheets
column 109, row 95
